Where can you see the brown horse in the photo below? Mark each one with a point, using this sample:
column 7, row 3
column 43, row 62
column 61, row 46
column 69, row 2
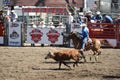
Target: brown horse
column 92, row 44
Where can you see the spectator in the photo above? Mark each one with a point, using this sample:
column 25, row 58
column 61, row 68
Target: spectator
column 32, row 25
column 13, row 16
column 98, row 17
column 70, row 19
column 51, row 25
column 90, row 17
column 42, row 24
column 37, row 24
column 2, row 15
column 107, row 19
column 80, row 18
column 60, row 26
column 118, row 19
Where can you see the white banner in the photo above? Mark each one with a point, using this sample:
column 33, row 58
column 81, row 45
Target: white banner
column 1, row 40
column 44, row 35
column 14, row 34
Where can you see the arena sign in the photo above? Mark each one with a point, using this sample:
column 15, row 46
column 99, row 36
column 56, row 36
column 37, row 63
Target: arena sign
column 14, row 38
column 44, row 36
column 46, row 10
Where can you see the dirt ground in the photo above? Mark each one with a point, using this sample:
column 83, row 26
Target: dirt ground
column 28, row 63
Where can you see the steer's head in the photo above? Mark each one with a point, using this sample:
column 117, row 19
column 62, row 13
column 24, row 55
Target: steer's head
column 49, row 55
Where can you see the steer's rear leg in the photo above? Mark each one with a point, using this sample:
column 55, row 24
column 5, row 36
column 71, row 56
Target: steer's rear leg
column 66, row 65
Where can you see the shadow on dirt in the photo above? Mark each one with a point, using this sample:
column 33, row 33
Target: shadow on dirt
column 72, row 62
column 111, row 77
column 37, row 68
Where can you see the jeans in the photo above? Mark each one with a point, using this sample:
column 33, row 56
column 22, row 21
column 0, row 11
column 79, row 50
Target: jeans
column 83, row 42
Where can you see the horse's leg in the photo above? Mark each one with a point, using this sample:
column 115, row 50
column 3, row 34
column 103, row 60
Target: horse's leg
column 96, row 56
column 83, row 56
column 91, row 51
column 99, row 52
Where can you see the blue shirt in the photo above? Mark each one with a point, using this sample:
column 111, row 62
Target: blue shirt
column 85, row 32
column 98, row 17
column 108, row 19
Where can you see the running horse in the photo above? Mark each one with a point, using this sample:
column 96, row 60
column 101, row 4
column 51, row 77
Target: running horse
column 92, row 44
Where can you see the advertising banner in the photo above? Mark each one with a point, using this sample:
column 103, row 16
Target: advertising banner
column 44, row 35
column 2, row 32
column 14, row 38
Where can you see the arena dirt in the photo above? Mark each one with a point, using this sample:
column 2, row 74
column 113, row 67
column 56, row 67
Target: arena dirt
column 28, row 63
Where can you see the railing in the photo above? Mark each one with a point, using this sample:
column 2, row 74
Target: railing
column 105, row 31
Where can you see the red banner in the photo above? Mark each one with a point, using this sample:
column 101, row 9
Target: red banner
column 2, row 28
column 46, row 10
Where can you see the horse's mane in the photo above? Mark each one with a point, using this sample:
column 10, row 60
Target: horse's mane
column 76, row 38
column 77, row 35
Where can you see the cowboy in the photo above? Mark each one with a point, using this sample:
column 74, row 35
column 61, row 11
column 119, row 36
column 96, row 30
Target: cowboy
column 85, row 35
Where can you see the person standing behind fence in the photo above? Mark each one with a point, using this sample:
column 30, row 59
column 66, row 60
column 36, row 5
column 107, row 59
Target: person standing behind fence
column 98, row 19
column 60, row 26
column 90, row 17
column 32, row 25
column 2, row 16
column 107, row 19
column 117, row 20
column 70, row 19
column 51, row 25
column 13, row 16
column 42, row 24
